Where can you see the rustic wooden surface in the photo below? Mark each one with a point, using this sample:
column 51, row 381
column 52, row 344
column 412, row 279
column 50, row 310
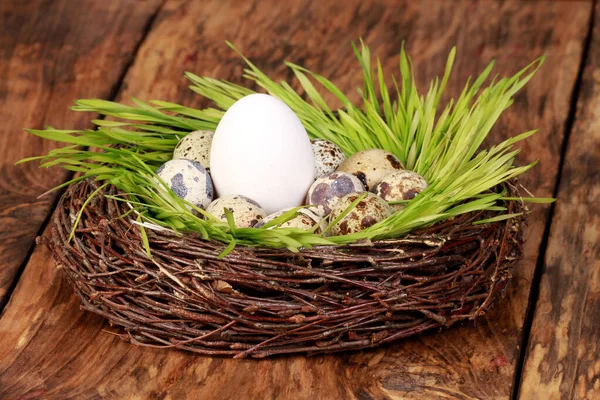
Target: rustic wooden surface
column 50, row 349
column 50, row 54
column 563, row 354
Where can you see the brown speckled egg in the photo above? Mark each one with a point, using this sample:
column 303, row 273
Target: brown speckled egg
column 328, row 156
column 306, row 219
column 371, row 165
column 367, row 212
column 326, row 191
column 246, row 212
column 196, row 147
column 400, row 185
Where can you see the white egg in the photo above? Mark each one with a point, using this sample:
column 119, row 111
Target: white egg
column 188, row 180
column 195, row 146
column 261, row 150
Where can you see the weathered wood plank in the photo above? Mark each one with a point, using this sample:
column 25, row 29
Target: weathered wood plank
column 51, row 52
column 463, row 362
column 563, row 353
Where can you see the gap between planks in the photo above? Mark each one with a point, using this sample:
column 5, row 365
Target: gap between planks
column 113, row 94
column 534, row 291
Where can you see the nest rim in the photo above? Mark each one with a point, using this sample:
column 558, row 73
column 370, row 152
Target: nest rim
column 260, row 302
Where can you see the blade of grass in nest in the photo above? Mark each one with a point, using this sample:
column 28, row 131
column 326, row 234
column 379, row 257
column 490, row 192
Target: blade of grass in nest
column 80, row 212
column 109, row 123
column 223, row 102
column 386, row 138
column 330, row 87
column 227, row 250
column 344, row 213
column 291, row 244
column 539, row 200
column 497, row 218
column 310, row 90
column 286, row 216
column 179, row 109
column 356, row 132
column 62, row 136
column 108, row 108
column 145, row 240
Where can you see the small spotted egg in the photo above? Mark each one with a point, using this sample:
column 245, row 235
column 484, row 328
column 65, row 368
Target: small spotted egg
column 367, row 212
column 188, row 180
column 371, row 165
column 305, row 219
column 246, row 212
column 196, row 147
column 328, row 156
column 326, row 191
column 400, row 185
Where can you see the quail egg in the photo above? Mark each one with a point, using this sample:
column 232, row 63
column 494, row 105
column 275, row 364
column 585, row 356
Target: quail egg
column 188, row 180
column 305, row 219
column 367, row 212
column 371, row 165
column 326, row 191
column 246, row 212
column 196, row 147
column 400, row 185
column 328, row 156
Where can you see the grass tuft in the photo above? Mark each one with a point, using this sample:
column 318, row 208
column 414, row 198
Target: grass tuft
column 441, row 144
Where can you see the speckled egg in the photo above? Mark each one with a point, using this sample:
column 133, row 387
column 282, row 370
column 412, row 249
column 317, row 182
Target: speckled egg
column 306, row 219
column 188, row 180
column 371, row 165
column 246, row 212
column 400, row 185
column 326, row 191
column 328, row 156
column 196, row 147
column 367, row 212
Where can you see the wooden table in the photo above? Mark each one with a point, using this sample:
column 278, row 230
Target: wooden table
column 540, row 342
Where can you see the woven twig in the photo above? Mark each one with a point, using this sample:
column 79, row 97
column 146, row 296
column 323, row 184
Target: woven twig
column 260, row 302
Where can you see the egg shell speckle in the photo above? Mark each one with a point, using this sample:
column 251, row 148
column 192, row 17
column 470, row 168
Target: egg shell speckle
column 367, row 212
column 246, row 212
column 326, row 191
column 328, row 156
column 400, row 185
column 371, row 165
column 306, row 219
column 196, row 147
column 188, row 180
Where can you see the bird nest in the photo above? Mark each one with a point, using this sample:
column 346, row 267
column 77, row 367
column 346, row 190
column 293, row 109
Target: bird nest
column 259, row 302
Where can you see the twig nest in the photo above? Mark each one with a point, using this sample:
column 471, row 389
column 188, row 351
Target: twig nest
column 326, row 191
column 328, row 156
column 246, row 212
column 371, row 165
column 400, row 185
column 188, row 180
column 305, row 219
column 367, row 212
column 196, row 147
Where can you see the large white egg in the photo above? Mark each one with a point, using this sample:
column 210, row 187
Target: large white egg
column 261, row 150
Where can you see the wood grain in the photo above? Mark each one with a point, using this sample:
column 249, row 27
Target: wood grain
column 50, row 54
column 563, row 353
column 464, row 362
